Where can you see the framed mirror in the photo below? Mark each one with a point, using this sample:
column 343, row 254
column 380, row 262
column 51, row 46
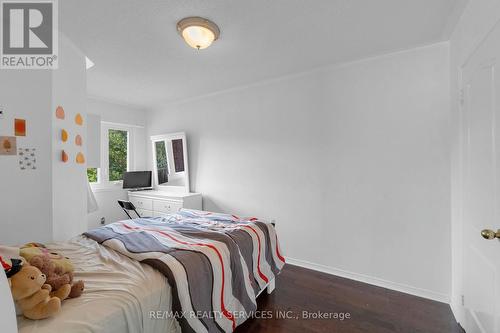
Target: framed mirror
column 170, row 162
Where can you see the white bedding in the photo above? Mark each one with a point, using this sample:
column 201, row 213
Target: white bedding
column 119, row 295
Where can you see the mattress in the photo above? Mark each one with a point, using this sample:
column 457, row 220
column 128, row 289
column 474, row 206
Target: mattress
column 120, row 295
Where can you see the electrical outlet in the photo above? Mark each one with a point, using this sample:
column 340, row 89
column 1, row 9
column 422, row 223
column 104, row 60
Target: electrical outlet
column 2, row 112
column 103, row 220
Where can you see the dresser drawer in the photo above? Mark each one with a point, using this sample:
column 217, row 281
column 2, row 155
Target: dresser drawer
column 163, row 206
column 142, row 203
column 144, row 212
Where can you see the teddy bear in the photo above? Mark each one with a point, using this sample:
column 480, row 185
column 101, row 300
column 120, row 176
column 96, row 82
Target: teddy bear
column 59, row 283
column 76, row 289
column 63, row 267
column 29, row 290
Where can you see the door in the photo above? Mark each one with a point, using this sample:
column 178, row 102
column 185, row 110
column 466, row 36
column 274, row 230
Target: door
column 481, row 186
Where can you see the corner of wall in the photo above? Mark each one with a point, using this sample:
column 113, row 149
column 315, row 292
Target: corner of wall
column 69, row 90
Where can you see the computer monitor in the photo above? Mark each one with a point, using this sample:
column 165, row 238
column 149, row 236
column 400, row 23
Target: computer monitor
column 137, row 180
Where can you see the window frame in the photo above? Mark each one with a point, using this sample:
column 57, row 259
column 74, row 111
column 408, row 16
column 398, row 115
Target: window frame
column 103, row 183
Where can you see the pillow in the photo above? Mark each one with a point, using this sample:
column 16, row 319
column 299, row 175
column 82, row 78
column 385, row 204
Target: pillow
column 10, row 252
column 211, row 216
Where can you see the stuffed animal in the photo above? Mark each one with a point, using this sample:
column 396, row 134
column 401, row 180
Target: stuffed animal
column 30, row 250
column 61, row 274
column 60, row 283
column 77, row 289
column 32, row 294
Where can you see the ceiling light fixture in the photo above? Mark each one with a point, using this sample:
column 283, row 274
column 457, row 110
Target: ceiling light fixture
column 198, row 32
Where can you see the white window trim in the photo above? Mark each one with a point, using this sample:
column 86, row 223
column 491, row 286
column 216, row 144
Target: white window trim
column 103, row 184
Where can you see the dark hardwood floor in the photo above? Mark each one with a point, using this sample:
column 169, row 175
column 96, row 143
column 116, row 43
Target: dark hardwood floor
column 372, row 309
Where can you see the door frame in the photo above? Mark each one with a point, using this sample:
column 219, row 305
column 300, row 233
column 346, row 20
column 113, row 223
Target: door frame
column 459, row 140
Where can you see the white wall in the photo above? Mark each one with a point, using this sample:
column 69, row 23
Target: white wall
column 352, row 161
column 69, row 196
column 121, row 114
column 25, row 195
column 43, row 204
column 477, row 20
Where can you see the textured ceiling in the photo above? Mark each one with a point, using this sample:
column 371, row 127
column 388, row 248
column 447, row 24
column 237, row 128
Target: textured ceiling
column 140, row 59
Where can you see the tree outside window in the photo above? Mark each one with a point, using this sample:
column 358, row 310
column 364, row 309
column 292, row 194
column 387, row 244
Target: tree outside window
column 161, row 162
column 115, row 149
column 118, row 154
column 92, row 175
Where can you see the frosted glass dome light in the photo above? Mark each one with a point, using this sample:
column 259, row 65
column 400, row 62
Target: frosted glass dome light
column 198, row 32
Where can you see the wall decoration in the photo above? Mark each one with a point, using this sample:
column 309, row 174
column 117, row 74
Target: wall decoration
column 8, row 145
column 60, row 113
column 64, row 157
column 20, row 127
column 79, row 119
column 64, row 135
column 27, row 158
column 80, row 159
column 78, row 140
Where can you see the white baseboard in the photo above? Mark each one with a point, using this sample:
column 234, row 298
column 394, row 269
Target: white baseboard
column 372, row 280
column 458, row 312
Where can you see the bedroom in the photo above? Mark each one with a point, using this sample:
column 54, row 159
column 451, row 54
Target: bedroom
column 345, row 138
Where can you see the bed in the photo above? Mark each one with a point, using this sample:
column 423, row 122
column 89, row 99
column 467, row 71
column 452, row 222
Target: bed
column 192, row 272
column 119, row 291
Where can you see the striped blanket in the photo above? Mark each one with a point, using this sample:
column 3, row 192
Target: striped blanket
column 216, row 264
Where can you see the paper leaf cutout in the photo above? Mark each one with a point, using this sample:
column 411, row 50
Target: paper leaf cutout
column 60, row 113
column 80, row 159
column 78, row 140
column 64, row 157
column 64, row 135
column 20, row 127
column 7, row 145
column 79, row 119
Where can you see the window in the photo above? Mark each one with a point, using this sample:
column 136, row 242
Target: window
column 92, row 175
column 115, row 155
column 118, row 154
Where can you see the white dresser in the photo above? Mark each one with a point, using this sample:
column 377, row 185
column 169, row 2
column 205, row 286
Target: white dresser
column 159, row 203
